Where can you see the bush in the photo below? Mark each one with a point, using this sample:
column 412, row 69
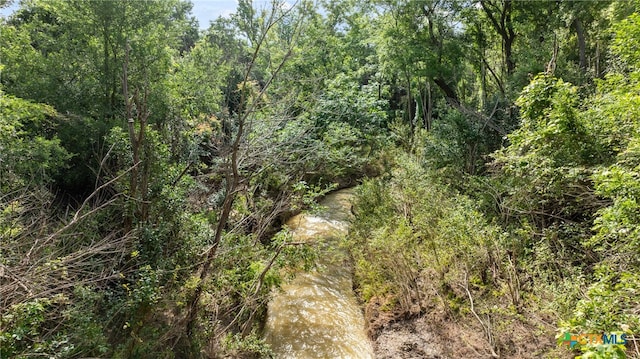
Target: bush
column 411, row 230
column 30, row 152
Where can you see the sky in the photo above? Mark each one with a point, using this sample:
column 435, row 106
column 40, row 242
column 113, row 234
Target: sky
column 203, row 10
column 207, row 10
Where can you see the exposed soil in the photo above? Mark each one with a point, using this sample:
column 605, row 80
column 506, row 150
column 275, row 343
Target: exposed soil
column 435, row 335
column 408, row 339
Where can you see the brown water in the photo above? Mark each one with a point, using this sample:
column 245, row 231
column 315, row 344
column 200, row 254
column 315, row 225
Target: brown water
column 317, row 315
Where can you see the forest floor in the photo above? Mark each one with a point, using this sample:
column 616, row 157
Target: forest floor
column 408, row 339
column 434, row 335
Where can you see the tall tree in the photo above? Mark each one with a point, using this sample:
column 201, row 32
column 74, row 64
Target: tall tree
column 419, row 44
column 252, row 97
column 500, row 14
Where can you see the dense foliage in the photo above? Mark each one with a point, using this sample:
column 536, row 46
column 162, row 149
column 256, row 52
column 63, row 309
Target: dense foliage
column 147, row 165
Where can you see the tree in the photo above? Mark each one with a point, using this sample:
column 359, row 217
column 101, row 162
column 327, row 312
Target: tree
column 546, row 164
column 419, row 44
column 31, row 154
column 81, row 44
column 250, row 100
column 75, row 53
column 500, row 15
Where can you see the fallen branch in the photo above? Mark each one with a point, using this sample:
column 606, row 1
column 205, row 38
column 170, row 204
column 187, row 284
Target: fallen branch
column 485, row 326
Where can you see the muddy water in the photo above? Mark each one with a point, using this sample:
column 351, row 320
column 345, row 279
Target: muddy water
column 316, row 315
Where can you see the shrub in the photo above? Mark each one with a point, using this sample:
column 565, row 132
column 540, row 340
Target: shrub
column 412, row 229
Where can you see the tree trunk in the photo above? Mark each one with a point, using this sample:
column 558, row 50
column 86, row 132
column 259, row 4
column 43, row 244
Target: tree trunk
column 409, row 105
column 581, row 44
column 449, row 92
column 107, row 77
column 233, row 176
column 597, row 61
column 429, row 106
column 504, row 27
column 133, row 179
column 483, row 83
column 511, row 65
column 509, row 37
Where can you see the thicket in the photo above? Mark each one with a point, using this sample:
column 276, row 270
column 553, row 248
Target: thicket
column 550, row 229
column 147, row 165
column 145, row 168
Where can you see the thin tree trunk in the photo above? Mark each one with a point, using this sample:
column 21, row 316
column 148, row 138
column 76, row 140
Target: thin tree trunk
column 581, row 44
column 107, row 77
column 429, row 106
column 409, row 105
column 233, row 175
column 483, row 83
column 597, row 61
column 423, row 108
column 133, row 179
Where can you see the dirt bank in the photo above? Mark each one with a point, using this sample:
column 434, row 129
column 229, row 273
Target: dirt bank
column 434, row 334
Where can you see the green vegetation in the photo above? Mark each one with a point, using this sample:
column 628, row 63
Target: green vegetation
column 147, row 167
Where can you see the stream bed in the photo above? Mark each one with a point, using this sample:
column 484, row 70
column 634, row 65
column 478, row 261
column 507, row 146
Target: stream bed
column 316, row 315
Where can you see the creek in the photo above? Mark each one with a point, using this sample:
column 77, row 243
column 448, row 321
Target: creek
column 316, row 315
